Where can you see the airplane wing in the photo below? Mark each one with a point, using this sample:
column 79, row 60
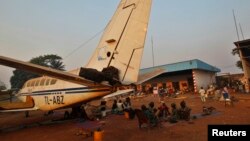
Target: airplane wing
column 19, row 110
column 117, row 93
column 41, row 70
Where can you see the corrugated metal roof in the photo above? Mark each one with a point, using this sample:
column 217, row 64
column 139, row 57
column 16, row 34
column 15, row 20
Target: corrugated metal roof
column 181, row 66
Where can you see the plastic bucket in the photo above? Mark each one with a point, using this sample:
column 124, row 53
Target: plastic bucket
column 126, row 114
column 98, row 136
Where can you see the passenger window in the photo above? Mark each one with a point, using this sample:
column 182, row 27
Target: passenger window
column 53, row 81
column 32, row 83
column 37, row 82
column 42, row 82
column 47, row 82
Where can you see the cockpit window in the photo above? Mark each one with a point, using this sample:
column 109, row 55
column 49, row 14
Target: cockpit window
column 28, row 84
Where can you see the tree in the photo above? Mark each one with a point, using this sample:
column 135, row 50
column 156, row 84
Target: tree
column 20, row 77
column 239, row 62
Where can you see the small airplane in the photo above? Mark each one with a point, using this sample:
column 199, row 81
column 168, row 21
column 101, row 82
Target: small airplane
column 115, row 62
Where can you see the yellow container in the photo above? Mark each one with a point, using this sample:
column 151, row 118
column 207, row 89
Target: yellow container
column 126, row 114
column 98, row 136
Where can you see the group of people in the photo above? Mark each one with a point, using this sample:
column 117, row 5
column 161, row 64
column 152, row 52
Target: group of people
column 162, row 93
column 219, row 93
column 121, row 107
column 181, row 113
column 162, row 113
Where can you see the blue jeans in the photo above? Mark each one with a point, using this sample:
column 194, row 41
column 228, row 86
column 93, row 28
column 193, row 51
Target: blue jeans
column 225, row 95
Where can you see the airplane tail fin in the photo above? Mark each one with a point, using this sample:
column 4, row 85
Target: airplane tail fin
column 122, row 43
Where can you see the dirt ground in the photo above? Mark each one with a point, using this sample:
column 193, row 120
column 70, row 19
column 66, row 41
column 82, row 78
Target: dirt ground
column 15, row 127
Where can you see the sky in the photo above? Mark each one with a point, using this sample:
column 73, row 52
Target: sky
column 181, row 30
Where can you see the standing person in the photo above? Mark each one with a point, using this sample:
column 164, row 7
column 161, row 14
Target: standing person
column 103, row 108
column 114, row 107
column 217, row 93
column 202, row 94
column 161, row 94
column 155, row 91
column 225, row 93
column 171, row 92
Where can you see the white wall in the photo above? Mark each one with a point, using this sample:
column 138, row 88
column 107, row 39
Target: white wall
column 203, row 78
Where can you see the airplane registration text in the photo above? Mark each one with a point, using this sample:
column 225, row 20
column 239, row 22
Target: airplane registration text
column 54, row 100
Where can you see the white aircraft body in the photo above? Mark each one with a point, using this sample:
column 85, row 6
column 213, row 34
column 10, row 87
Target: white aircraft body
column 121, row 47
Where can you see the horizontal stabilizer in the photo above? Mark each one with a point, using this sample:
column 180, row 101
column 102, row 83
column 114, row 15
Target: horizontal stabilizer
column 41, row 70
column 117, row 93
column 146, row 76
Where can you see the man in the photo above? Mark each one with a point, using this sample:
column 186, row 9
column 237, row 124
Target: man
column 202, row 94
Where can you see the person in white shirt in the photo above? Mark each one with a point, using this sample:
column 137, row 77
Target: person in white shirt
column 120, row 106
column 202, row 94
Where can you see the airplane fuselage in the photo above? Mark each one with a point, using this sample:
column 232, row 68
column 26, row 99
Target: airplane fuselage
column 49, row 93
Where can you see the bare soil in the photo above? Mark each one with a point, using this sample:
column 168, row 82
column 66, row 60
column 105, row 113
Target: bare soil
column 15, row 127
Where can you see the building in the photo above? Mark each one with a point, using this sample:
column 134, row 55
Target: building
column 244, row 51
column 186, row 75
column 235, row 81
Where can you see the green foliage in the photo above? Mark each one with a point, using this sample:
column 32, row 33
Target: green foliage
column 2, row 86
column 20, row 77
column 235, row 52
column 239, row 64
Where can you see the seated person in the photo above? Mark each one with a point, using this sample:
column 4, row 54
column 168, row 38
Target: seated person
column 120, row 107
column 151, row 108
column 163, row 111
column 127, row 104
column 174, row 115
column 150, row 115
column 184, row 111
column 128, row 108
